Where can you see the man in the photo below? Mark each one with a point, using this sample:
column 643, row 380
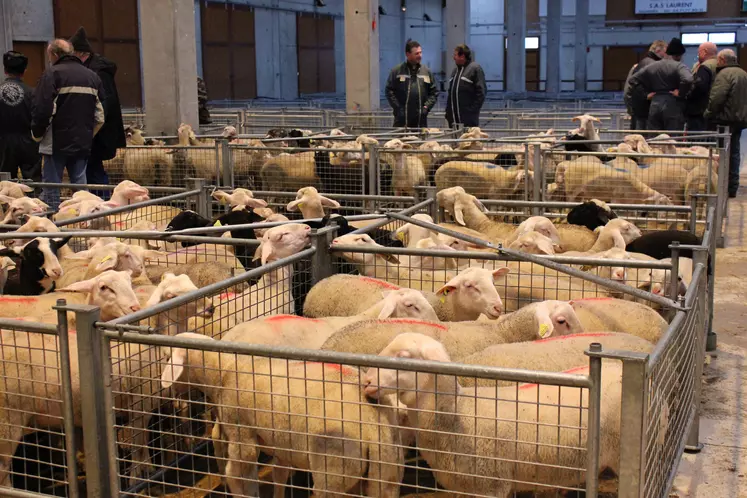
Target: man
column 638, row 105
column 727, row 105
column 111, row 136
column 202, row 98
column 665, row 83
column 67, row 114
column 411, row 89
column 703, row 73
column 466, row 90
column 17, row 149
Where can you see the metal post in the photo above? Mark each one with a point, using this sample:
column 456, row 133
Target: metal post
column 96, row 404
column 363, row 170
column 694, row 212
column 539, row 173
column 66, row 388
column 723, row 189
column 202, row 206
column 321, row 261
column 593, row 428
column 227, row 164
column 674, row 283
column 431, row 193
column 527, row 158
column 374, row 176
column 693, row 445
column 5, row 176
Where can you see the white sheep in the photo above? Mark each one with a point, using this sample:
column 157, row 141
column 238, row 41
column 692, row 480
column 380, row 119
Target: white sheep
column 311, row 203
column 174, row 321
column 618, row 315
column 240, row 198
column 14, row 189
column 21, row 207
column 288, row 409
column 488, row 424
column 586, row 129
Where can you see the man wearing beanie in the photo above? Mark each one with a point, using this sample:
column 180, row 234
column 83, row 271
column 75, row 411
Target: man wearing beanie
column 17, row 149
column 112, row 136
column 666, row 83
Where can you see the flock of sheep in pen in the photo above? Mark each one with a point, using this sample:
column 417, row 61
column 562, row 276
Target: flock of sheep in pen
column 337, row 163
column 446, row 309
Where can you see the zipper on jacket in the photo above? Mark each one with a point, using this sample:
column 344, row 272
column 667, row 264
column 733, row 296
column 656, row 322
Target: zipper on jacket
column 420, row 102
column 459, row 80
column 409, row 86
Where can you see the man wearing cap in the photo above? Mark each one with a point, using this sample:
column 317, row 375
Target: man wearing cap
column 17, row 149
column 111, row 136
column 666, row 83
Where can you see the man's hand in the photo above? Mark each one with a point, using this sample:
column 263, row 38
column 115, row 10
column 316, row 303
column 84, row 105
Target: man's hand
column 676, row 92
column 650, row 95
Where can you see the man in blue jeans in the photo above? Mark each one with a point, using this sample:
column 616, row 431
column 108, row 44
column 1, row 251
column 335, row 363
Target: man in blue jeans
column 67, row 114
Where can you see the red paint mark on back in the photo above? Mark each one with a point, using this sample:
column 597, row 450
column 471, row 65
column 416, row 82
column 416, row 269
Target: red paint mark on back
column 19, row 300
column 571, row 336
column 412, row 321
column 281, row 318
column 591, row 299
column 380, row 283
column 227, row 295
column 571, row 371
column 331, row 366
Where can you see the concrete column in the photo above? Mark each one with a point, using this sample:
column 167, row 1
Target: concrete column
column 456, row 28
column 6, row 27
column 169, row 64
column 581, row 37
column 362, row 55
column 516, row 28
column 552, row 42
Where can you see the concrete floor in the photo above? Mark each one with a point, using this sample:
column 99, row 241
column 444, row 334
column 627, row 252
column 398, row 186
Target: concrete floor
column 719, row 470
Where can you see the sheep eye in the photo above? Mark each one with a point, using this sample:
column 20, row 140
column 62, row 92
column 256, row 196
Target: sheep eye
column 104, row 288
column 561, row 321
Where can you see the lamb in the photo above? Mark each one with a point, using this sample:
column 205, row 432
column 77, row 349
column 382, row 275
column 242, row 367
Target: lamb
column 346, row 295
column 21, row 207
column 311, row 203
column 615, row 234
column 14, row 189
column 114, row 256
column 539, row 224
column 485, row 424
column 585, row 131
column 591, row 214
column 84, row 207
column 554, row 354
column 204, row 162
column 656, row 244
column 240, row 198
column 618, row 315
column 174, row 321
column 534, row 243
column 151, row 165
column 6, row 265
column 538, row 320
column 278, row 398
column 311, row 333
column 485, row 180
column 471, row 139
column 289, row 172
column 466, row 210
column 201, row 274
column 411, row 234
column 39, row 267
column 125, row 193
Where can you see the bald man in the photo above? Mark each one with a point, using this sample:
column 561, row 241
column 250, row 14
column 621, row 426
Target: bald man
column 703, row 74
column 727, row 106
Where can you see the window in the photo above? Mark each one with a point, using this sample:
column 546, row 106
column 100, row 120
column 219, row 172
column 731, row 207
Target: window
column 530, row 42
column 717, row 38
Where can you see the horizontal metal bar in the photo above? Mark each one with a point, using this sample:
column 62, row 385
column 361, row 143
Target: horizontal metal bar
column 28, row 326
column 521, row 256
column 629, row 154
column 211, row 289
column 164, row 236
column 379, row 224
column 562, row 204
column 435, row 367
column 263, row 225
column 347, row 197
column 96, row 186
column 129, row 208
column 17, row 493
column 487, row 256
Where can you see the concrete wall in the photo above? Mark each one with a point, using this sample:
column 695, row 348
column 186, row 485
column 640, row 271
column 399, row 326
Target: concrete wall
column 488, row 41
column 33, row 20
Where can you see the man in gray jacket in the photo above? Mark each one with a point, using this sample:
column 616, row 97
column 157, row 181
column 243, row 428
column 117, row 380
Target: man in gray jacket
column 638, row 105
column 467, row 90
column 666, row 83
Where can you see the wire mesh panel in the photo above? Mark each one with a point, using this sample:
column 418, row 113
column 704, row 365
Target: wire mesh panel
column 260, row 121
column 166, row 165
column 671, row 400
column 36, row 413
column 293, row 422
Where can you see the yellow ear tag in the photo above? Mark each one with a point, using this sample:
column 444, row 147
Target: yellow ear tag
column 544, row 330
column 217, row 224
column 300, row 205
column 401, row 236
column 107, row 258
column 221, row 200
column 443, row 295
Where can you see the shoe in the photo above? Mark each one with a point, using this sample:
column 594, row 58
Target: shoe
column 732, row 195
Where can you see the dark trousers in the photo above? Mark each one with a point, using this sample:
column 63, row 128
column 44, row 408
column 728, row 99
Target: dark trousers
column 638, row 122
column 52, row 169
column 735, row 159
column 20, row 153
column 96, row 174
column 667, row 113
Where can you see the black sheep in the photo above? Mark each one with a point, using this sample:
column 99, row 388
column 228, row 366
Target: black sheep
column 34, row 257
column 303, row 143
column 656, row 244
column 591, row 214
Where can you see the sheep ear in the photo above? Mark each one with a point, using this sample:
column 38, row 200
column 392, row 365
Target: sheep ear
column 618, row 239
column 459, row 215
column 61, row 242
column 329, row 202
column 390, row 305
column 150, row 255
column 401, row 232
column 546, row 246
column 11, row 251
column 108, row 262
column 480, row 205
column 544, row 322
column 294, row 205
column 84, row 286
column 156, row 297
column 266, row 252
column 4, row 199
column 7, row 264
column 221, row 196
column 501, row 272
column 174, row 369
column 391, row 258
column 255, row 203
column 450, row 286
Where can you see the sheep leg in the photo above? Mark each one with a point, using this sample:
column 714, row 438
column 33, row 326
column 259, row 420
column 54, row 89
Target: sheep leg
column 11, row 433
column 280, row 475
column 336, row 464
column 241, row 470
column 384, row 471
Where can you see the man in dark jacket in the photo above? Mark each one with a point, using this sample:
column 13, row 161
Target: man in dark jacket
column 665, row 83
column 703, row 73
column 17, row 149
column 203, row 112
column 727, row 106
column 411, row 89
column 111, row 136
column 466, row 90
column 638, row 105
column 67, row 114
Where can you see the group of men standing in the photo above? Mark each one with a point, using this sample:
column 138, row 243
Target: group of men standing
column 661, row 93
column 72, row 120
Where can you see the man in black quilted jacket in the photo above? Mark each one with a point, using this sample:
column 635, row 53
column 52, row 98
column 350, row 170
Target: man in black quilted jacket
column 67, row 114
column 467, row 90
column 411, row 89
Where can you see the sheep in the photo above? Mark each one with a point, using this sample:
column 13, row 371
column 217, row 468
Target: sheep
column 656, row 244
column 174, row 321
column 278, row 398
column 239, row 198
column 124, row 194
column 410, row 234
column 485, row 424
column 6, row 265
column 201, row 274
column 534, row 243
column 20, row 207
column 39, row 267
column 554, row 354
column 289, row 172
column 311, row 203
column 585, row 131
column 115, row 256
column 591, row 214
column 14, row 189
column 471, row 139
column 467, row 211
column 148, row 166
column 615, row 234
column 538, row 320
column 84, row 207
column 346, row 295
column 485, row 180
column 311, row 333
column 618, row 315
